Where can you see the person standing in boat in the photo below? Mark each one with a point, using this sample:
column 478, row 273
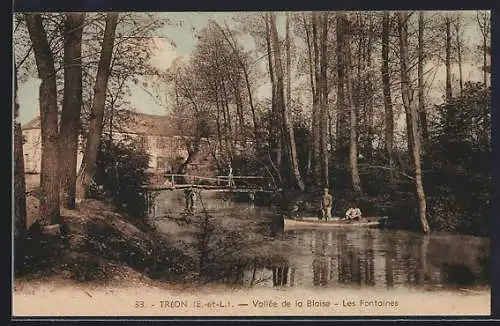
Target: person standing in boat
column 326, row 205
column 230, row 180
column 190, row 196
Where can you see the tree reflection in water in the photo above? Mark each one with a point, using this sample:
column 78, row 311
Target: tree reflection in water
column 391, row 258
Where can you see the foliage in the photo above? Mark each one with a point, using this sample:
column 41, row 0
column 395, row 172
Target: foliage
column 456, row 172
column 459, row 158
column 121, row 170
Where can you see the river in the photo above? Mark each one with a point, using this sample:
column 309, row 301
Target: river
column 373, row 258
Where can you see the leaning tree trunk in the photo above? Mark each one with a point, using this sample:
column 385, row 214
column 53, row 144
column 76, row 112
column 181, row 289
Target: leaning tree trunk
column 49, row 176
column 386, row 87
column 19, row 180
column 288, row 132
column 72, row 103
column 89, row 162
column 353, row 146
column 410, row 109
column 421, row 101
column 244, row 68
column 276, row 131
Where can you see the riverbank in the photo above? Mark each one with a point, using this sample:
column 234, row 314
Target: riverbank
column 55, row 297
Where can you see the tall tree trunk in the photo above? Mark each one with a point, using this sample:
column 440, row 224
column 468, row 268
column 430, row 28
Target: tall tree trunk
column 448, row 59
column 353, row 148
column 19, row 180
column 485, row 62
column 288, row 64
column 483, row 20
column 369, row 91
column 421, row 101
column 459, row 54
column 288, row 132
column 406, row 92
column 275, row 114
column 49, row 178
column 72, row 103
column 317, row 106
column 324, row 102
column 229, row 125
column 313, row 92
column 386, row 87
column 89, row 162
column 342, row 125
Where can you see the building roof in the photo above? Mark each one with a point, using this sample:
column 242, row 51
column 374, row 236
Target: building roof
column 134, row 123
column 142, row 123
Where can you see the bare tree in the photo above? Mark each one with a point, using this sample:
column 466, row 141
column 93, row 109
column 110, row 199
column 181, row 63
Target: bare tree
column 88, row 167
column 49, row 177
column 353, row 140
column 406, row 92
column 72, row 103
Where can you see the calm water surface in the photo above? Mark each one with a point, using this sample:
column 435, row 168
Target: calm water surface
column 359, row 258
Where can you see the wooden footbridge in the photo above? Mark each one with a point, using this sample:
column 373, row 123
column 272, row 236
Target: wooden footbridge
column 251, row 185
column 234, row 184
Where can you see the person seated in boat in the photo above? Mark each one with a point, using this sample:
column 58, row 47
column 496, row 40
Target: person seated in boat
column 353, row 214
column 326, row 205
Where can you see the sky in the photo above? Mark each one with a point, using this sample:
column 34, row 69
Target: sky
column 185, row 42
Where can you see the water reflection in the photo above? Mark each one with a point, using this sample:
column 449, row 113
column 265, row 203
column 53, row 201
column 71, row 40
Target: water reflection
column 333, row 258
column 387, row 258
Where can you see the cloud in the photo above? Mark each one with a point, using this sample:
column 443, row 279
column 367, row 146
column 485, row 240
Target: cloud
column 164, row 54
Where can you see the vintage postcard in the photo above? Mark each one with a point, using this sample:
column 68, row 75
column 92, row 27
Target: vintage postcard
column 327, row 163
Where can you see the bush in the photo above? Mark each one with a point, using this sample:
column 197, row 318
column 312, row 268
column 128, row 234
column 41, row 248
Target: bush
column 121, row 171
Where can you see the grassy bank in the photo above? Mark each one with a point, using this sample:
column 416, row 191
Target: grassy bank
column 101, row 243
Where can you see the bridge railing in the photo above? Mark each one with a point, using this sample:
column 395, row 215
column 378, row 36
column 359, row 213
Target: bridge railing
column 220, row 180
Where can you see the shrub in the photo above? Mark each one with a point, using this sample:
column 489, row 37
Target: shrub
column 121, row 171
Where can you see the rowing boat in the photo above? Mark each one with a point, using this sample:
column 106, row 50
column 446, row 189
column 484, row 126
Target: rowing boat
column 315, row 223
